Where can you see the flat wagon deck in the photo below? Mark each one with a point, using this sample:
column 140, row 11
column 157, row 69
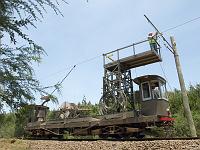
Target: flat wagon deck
column 112, row 124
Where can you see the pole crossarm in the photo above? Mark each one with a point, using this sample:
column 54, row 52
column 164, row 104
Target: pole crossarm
column 59, row 83
column 164, row 39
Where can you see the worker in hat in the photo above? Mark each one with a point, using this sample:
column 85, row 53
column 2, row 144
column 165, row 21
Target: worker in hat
column 152, row 37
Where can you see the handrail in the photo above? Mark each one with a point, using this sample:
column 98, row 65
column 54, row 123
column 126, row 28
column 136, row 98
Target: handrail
column 132, row 45
column 119, row 49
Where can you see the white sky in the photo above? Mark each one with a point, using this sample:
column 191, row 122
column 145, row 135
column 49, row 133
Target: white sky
column 91, row 29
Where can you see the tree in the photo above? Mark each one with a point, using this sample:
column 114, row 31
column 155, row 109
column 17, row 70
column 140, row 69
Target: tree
column 16, row 14
column 194, row 96
column 176, row 107
column 16, row 76
column 175, row 99
column 7, row 125
column 17, row 82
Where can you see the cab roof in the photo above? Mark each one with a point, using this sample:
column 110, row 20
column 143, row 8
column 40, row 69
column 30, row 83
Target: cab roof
column 144, row 78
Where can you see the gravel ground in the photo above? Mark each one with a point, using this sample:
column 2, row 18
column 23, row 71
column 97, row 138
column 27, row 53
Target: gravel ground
column 114, row 145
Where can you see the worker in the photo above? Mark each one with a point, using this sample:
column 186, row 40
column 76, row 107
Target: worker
column 156, row 93
column 155, row 90
column 152, row 37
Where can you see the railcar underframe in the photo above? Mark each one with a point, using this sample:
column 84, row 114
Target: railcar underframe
column 113, row 125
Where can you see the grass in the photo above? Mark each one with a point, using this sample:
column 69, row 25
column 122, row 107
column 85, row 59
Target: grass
column 13, row 144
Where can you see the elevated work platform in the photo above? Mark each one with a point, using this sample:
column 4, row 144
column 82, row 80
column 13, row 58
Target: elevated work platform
column 141, row 59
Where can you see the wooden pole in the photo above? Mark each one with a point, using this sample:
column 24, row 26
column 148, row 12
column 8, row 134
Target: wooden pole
column 0, row 38
column 187, row 111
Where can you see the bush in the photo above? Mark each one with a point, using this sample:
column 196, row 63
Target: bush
column 7, row 125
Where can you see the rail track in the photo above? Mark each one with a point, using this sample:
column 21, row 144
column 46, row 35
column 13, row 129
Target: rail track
column 113, row 139
column 121, row 144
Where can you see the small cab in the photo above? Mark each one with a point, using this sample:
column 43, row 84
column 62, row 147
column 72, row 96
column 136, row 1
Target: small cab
column 153, row 95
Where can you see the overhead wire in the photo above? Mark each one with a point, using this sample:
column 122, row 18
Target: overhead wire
column 164, row 39
column 166, row 30
column 182, row 24
column 165, row 76
column 77, row 64
column 88, row 60
column 62, row 70
column 169, row 48
column 172, row 28
column 178, row 26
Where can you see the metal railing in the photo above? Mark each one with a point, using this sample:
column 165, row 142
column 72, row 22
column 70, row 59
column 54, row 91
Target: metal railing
column 106, row 55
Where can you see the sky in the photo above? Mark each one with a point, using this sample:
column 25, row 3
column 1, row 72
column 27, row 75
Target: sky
column 89, row 29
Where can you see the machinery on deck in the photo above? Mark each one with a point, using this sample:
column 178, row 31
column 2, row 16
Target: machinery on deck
column 123, row 111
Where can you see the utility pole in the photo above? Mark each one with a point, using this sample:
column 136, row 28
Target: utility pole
column 187, row 111
column 186, row 105
column 0, row 39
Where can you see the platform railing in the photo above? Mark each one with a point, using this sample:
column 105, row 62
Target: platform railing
column 106, row 55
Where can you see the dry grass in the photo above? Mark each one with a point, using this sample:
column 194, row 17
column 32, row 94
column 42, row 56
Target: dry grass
column 13, row 144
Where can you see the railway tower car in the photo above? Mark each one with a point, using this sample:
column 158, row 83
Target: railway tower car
column 124, row 112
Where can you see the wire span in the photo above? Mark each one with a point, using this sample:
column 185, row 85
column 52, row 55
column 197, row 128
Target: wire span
column 182, row 24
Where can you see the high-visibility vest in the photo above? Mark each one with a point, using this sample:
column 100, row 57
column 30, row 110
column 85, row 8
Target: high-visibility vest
column 152, row 40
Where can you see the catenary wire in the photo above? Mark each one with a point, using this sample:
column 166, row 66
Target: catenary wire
column 182, row 24
column 77, row 64
column 90, row 59
column 165, row 76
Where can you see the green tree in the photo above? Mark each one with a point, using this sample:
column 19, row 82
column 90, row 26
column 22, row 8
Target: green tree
column 52, row 114
column 17, row 81
column 176, row 107
column 22, row 117
column 17, row 14
column 175, row 101
column 7, row 125
column 93, row 110
column 194, row 97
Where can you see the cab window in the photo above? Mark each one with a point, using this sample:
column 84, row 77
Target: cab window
column 155, row 90
column 146, row 91
column 163, row 91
